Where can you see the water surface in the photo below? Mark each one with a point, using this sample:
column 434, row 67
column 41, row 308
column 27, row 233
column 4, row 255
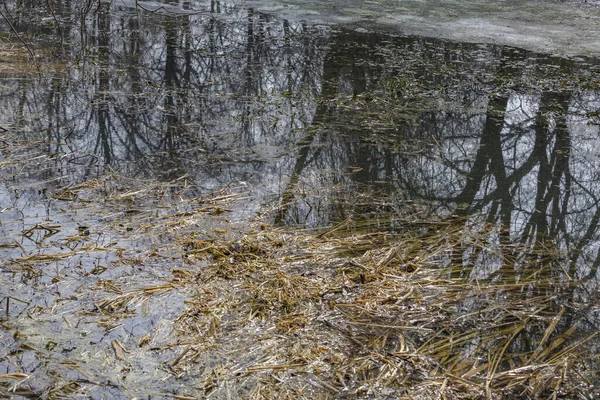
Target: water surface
column 310, row 123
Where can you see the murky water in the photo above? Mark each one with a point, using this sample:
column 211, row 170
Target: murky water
column 316, row 123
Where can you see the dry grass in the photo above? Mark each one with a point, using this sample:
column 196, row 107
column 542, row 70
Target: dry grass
column 280, row 314
column 441, row 310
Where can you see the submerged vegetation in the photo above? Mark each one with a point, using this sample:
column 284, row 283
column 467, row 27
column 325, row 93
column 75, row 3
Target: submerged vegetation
column 222, row 204
column 374, row 314
column 357, row 309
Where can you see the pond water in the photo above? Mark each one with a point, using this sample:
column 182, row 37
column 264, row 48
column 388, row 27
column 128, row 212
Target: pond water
column 309, row 121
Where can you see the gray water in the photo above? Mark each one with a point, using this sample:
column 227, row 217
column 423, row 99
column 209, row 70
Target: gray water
column 314, row 111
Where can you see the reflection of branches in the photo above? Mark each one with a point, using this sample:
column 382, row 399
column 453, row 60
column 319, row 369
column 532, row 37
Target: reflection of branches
column 85, row 10
column 513, row 165
column 551, row 171
column 18, row 35
column 290, row 191
column 54, row 17
column 183, row 92
column 162, row 10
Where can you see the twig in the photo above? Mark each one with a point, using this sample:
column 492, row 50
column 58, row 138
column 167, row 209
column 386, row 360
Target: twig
column 13, row 29
column 339, row 226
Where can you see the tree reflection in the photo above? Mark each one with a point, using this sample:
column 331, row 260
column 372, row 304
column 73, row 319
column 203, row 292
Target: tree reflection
column 494, row 147
column 506, row 165
column 350, row 124
column 504, row 152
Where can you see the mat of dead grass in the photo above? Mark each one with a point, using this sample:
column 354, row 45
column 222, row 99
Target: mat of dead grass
column 342, row 313
column 434, row 310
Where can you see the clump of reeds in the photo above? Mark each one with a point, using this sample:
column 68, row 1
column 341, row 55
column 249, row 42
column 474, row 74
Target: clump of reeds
column 343, row 313
column 436, row 309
